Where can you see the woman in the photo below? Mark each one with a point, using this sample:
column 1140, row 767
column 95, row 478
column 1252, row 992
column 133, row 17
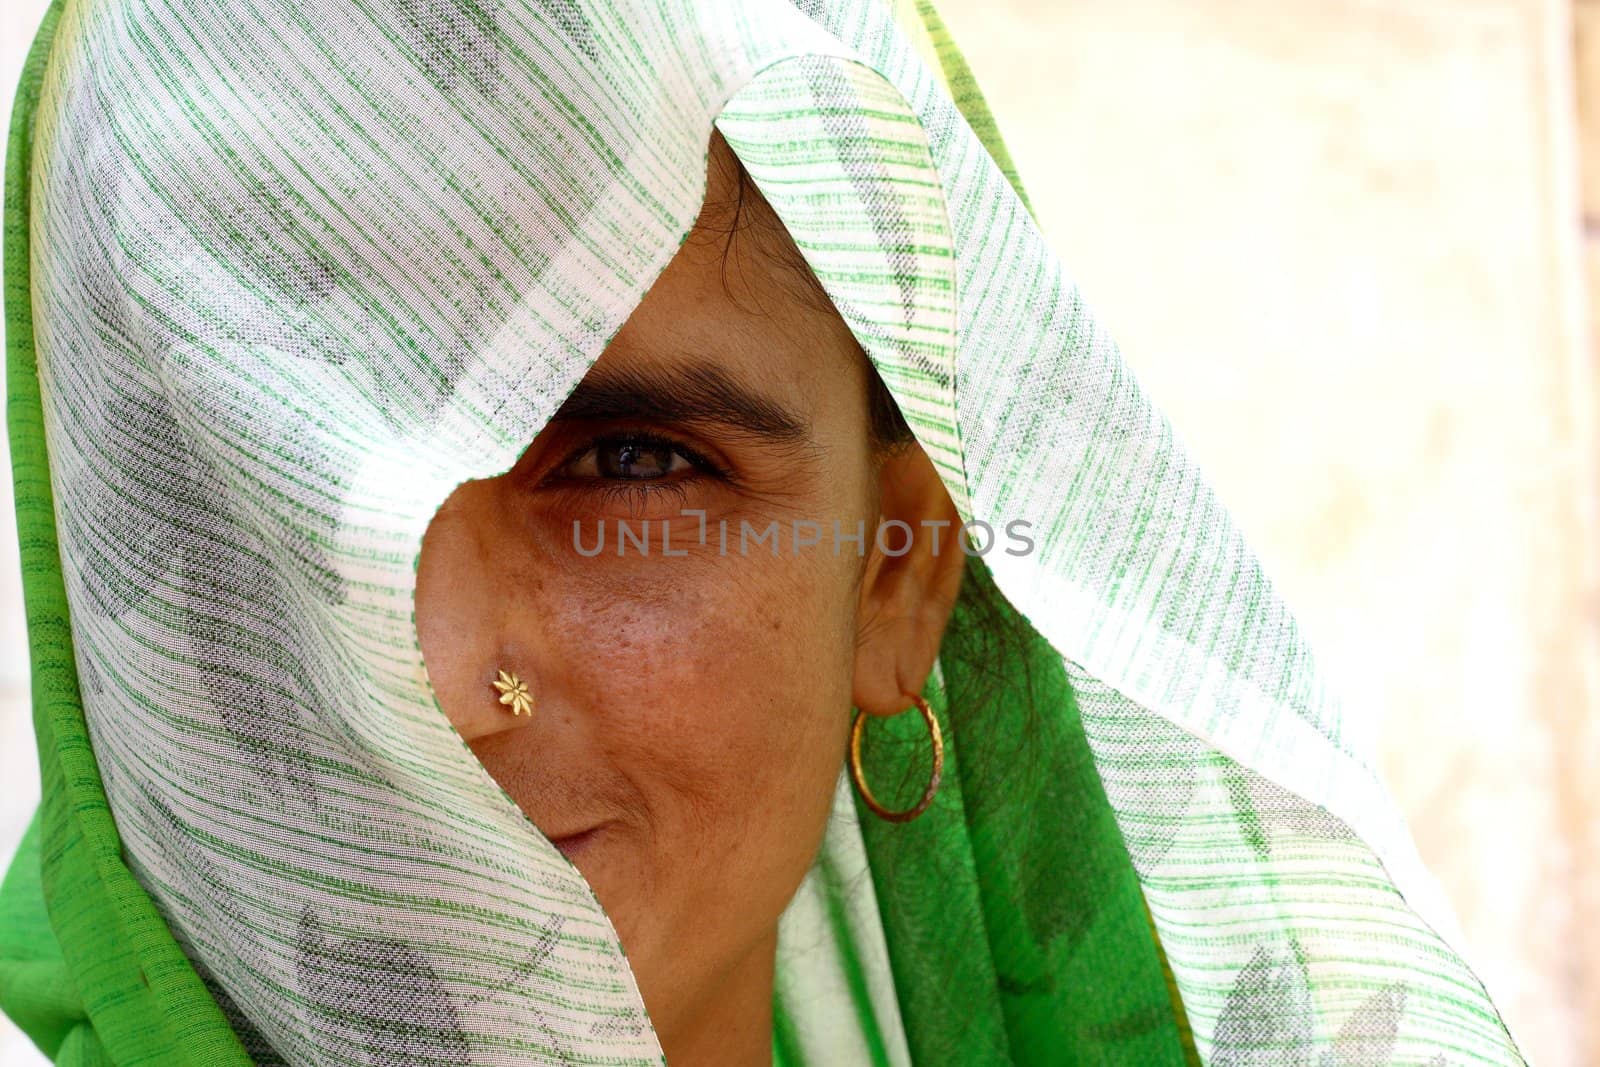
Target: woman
column 471, row 459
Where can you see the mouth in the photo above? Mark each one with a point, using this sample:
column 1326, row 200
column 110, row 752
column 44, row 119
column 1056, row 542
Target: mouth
column 575, row 845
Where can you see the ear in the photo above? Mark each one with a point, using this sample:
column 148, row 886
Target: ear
column 905, row 598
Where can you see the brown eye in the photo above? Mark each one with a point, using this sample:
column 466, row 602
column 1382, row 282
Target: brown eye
column 634, row 458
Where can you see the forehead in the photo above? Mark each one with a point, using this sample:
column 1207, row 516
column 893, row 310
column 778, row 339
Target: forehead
column 739, row 220
column 739, row 294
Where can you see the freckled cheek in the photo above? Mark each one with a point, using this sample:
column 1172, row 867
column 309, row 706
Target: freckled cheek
column 726, row 692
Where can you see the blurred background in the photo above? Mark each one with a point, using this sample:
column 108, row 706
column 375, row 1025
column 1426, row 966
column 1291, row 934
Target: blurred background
column 1353, row 249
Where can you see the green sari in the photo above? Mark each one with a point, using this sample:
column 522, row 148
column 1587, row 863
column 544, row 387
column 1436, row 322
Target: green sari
column 280, row 276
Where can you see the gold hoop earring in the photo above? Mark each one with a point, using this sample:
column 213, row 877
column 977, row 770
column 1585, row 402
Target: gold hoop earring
column 514, row 691
column 933, row 782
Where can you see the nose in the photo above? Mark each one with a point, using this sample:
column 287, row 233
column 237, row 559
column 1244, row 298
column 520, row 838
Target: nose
column 472, row 627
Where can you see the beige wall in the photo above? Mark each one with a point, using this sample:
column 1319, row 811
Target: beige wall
column 1342, row 244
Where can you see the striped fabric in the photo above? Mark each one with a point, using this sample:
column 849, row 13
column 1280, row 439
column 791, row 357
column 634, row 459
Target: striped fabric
column 281, row 274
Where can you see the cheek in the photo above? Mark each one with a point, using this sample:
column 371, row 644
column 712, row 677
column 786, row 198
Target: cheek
column 721, row 693
column 722, row 701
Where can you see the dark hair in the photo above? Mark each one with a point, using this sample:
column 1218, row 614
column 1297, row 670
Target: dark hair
column 886, row 426
column 995, row 662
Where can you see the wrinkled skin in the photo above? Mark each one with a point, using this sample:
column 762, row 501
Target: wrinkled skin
column 691, row 713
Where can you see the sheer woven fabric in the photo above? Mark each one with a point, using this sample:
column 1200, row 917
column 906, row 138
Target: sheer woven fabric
column 280, row 276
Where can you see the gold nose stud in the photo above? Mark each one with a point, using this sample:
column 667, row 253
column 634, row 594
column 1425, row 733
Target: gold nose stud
column 514, row 691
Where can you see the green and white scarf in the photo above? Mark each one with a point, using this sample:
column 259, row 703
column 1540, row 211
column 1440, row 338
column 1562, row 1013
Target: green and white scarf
column 281, row 274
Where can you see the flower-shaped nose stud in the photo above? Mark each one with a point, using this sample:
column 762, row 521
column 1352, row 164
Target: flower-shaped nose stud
column 514, row 691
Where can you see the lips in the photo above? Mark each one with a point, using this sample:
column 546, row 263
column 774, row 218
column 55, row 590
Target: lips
column 577, row 844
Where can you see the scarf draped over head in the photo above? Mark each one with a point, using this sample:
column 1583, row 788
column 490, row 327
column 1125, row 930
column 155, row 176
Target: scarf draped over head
column 281, row 275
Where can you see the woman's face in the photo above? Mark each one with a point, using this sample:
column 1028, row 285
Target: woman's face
column 691, row 701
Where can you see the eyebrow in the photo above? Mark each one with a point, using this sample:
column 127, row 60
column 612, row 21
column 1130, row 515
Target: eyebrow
column 696, row 392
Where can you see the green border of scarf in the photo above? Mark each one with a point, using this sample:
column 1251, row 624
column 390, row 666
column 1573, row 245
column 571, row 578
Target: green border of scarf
column 88, row 968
